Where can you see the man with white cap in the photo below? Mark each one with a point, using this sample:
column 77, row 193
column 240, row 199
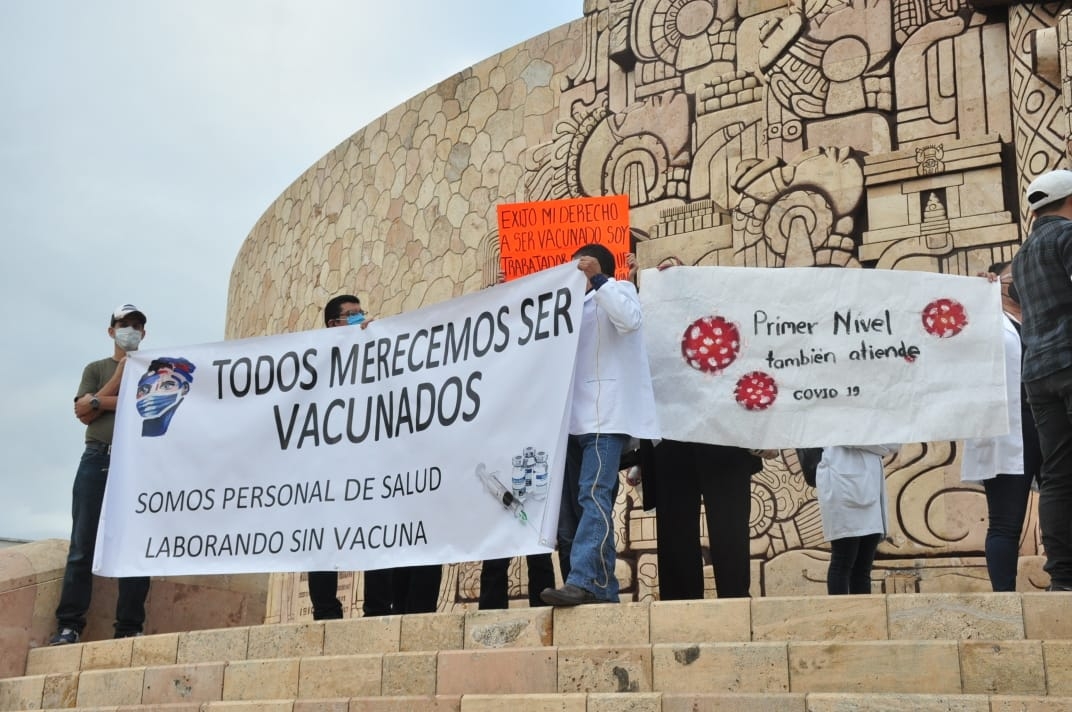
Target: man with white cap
column 1042, row 273
column 94, row 405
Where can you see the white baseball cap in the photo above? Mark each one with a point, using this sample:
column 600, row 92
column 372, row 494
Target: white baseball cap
column 1049, row 188
column 124, row 310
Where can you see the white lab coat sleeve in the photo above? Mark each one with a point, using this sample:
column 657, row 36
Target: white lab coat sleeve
column 620, row 302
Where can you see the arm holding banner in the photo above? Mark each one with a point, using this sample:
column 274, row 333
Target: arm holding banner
column 106, row 396
column 109, row 392
column 619, row 300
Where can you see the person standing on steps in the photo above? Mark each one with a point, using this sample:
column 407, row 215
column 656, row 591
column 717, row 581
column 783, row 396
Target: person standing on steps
column 94, row 406
column 407, row 589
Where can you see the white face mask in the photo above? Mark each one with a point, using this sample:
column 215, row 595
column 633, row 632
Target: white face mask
column 127, row 338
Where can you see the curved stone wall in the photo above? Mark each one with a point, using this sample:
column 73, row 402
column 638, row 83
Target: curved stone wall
column 403, row 212
column 887, row 134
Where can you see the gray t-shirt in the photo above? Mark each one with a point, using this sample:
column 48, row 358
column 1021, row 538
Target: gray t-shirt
column 94, row 376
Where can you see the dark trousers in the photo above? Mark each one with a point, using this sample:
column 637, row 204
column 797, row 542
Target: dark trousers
column 688, row 474
column 323, row 595
column 569, row 511
column 379, row 593
column 494, row 580
column 851, row 559
column 86, row 500
column 1006, row 506
column 1051, row 405
column 407, row 589
column 416, row 588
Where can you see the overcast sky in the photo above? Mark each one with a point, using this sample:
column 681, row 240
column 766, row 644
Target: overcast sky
column 139, row 143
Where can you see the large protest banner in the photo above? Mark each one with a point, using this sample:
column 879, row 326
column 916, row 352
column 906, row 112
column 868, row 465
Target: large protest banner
column 535, row 236
column 777, row 358
column 430, row 437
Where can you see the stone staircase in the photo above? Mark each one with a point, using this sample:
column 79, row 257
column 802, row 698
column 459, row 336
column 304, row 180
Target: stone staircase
column 952, row 652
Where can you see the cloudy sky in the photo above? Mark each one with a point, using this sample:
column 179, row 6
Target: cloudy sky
column 140, row 140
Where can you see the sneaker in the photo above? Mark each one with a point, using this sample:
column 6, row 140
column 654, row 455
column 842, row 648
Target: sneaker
column 568, row 595
column 1058, row 587
column 129, row 634
column 66, row 636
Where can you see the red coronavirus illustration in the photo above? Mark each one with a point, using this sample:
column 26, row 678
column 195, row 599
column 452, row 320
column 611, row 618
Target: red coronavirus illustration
column 756, row 390
column 710, row 344
column 944, row 318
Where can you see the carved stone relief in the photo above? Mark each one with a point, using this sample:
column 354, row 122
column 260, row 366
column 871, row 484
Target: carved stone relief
column 887, row 134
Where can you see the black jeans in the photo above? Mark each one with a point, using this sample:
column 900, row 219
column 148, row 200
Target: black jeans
column 1006, row 506
column 494, row 580
column 323, row 590
column 379, row 593
column 86, row 500
column 1051, row 405
column 689, row 473
column 851, row 559
column 406, row 589
column 416, row 588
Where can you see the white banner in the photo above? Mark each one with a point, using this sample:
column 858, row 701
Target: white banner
column 776, row 358
column 430, row 437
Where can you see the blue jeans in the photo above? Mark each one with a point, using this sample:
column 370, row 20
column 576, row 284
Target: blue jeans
column 586, row 516
column 86, row 500
column 1051, row 404
column 1006, row 506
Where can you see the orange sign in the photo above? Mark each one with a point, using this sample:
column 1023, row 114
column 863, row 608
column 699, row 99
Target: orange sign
column 535, row 236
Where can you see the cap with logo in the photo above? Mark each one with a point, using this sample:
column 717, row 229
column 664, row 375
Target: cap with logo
column 124, row 310
column 1049, row 188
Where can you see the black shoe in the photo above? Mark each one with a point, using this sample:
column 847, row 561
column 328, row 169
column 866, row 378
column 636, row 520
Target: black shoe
column 568, row 595
column 66, row 636
column 333, row 616
column 128, row 634
column 1058, row 587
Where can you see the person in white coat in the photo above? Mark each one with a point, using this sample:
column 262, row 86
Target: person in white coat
column 1007, row 464
column 612, row 400
column 850, row 482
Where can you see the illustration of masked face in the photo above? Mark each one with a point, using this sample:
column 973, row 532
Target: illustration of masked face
column 160, row 391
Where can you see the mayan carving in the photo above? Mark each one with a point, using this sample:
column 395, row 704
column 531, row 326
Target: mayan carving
column 1039, row 117
column 798, row 215
column 888, row 134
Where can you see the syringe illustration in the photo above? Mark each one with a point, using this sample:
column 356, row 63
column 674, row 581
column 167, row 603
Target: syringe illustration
column 501, row 493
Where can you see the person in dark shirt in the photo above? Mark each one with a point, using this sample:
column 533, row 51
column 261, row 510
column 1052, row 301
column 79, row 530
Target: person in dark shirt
column 407, row 589
column 1042, row 273
column 94, row 406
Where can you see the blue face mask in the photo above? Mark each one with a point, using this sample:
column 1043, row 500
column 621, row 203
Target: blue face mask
column 153, row 406
column 355, row 319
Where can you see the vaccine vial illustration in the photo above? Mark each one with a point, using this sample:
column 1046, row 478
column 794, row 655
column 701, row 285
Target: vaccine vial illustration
column 518, row 477
column 529, row 454
column 539, row 479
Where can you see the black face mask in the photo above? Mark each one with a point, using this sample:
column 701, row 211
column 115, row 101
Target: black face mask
column 1013, row 294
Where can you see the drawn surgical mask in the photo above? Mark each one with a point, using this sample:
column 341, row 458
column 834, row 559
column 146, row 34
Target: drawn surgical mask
column 355, row 319
column 155, row 405
column 127, row 338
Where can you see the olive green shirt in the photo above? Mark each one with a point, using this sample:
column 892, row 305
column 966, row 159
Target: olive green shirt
column 94, row 376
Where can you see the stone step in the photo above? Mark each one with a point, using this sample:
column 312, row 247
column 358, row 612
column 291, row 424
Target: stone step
column 627, row 702
column 963, row 651
column 944, row 616
column 1035, row 668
